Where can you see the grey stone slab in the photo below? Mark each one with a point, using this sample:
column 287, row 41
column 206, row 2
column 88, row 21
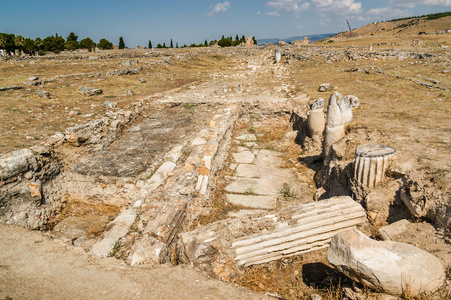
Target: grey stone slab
column 254, row 186
column 253, row 201
column 249, row 171
column 267, row 157
column 244, row 157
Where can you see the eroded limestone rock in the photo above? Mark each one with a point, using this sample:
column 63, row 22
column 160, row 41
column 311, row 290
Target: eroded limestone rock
column 385, row 266
column 16, row 162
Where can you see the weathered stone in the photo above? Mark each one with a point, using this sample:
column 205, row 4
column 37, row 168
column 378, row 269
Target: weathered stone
column 118, row 228
column 34, row 83
column 339, row 114
column 250, row 240
column 385, row 266
column 109, row 104
column 142, row 80
column 387, row 233
column 90, row 91
column 16, row 162
column 263, row 186
column 13, row 87
column 131, row 62
column 354, row 101
column 315, row 121
column 247, row 137
column 158, row 177
column 253, row 201
column 244, row 157
column 79, row 134
column 149, row 251
column 43, row 93
column 33, row 78
column 249, row 171
column 325, row 87
column 371, row 163
column 277, row 56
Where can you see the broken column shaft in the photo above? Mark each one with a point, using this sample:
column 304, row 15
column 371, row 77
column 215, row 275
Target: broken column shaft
column 371, row 162
column 248, row 241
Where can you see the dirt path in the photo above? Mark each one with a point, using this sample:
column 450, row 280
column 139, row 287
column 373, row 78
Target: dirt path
column 33, row 266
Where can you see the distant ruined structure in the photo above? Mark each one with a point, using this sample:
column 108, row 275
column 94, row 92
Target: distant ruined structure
column 249, row 42
column 304, row 42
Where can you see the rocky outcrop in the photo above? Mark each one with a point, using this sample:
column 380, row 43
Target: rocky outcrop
column 27, row 196
column 386, row 266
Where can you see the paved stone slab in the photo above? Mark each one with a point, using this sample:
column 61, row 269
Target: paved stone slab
column 249, row 171
column 253, row 201
column 247, row 137
column 267, row 157
column 244, row 157
column 254, row 185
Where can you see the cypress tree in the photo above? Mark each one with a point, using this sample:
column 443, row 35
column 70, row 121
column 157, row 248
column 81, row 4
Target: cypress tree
column 164, row 45
column 206, row 43
column 121, row 43
column 176, row 45
column 172, row 46
column 150, row 45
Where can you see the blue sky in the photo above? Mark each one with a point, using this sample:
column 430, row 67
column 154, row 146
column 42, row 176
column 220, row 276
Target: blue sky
column 187, row 22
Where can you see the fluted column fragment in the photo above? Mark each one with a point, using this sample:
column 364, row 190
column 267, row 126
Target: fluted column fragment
column 371, row 162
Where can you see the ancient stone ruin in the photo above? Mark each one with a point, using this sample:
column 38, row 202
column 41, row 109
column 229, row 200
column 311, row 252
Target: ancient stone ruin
column 198, row 176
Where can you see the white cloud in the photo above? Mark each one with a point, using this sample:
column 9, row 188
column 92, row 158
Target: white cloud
column 295, row 6
column 323, row 7
column 412, row 4
column 259, row 12
column 273, row 14
column 388, row 11
column 220, row 7
column 338, row 7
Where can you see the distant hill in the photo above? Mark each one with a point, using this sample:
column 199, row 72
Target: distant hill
column 312, row 38
column 429, row 24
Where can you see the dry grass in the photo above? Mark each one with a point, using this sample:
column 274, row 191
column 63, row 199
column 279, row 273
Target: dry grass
column 25, row 119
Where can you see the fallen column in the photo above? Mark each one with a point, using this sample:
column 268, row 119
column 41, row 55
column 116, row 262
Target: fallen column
column 248, row 241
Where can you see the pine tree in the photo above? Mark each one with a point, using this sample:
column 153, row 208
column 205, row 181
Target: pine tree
column 150, row 44
column 172, row 46
column 121, row 43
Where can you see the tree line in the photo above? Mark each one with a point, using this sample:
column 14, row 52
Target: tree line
column 54, row 43
column 223, row 42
